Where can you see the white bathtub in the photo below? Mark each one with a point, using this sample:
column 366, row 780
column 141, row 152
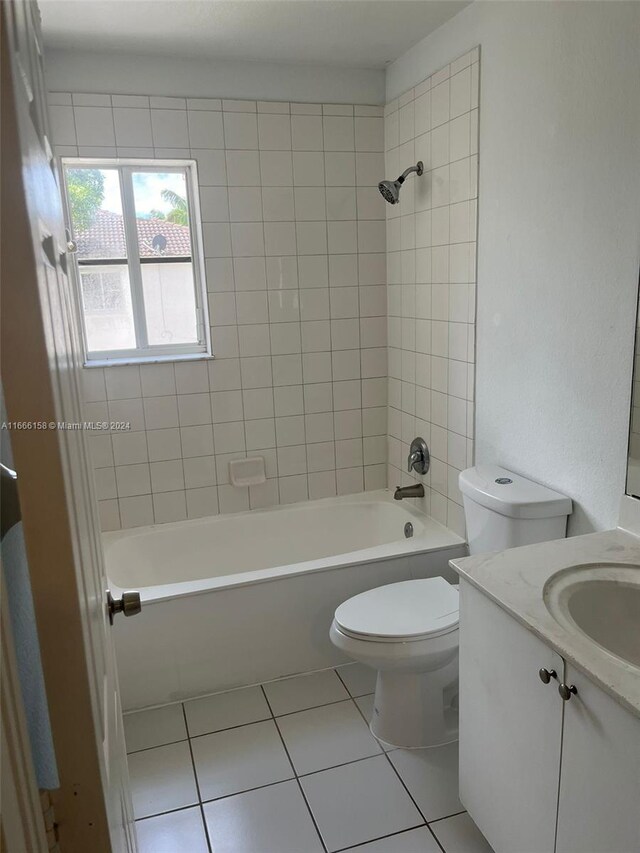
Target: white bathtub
column 237, row 599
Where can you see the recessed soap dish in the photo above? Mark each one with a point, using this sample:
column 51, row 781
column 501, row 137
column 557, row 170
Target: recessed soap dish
column 247, row 472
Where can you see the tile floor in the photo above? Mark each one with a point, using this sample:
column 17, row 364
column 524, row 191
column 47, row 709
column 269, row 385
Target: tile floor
column 290, row 767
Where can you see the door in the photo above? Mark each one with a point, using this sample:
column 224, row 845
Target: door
column 510, row 728
column 600, row 773
column 41, row 358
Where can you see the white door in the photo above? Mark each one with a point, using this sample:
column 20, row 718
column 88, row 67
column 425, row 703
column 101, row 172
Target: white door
column 41, row 360
column 510, row 728
column 599, row 802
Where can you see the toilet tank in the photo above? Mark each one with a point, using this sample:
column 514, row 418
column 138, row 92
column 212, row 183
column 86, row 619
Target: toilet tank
column 505, row 510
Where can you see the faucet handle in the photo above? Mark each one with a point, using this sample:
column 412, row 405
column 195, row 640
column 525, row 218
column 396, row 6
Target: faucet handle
column 413, row 458
column 419, row 458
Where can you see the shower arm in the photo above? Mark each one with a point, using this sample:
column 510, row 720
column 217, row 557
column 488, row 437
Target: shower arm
column 419, row 169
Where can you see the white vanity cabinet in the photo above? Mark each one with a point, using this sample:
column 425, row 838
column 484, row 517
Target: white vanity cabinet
column 539, row 774
column 599, row 803
column 510, row 728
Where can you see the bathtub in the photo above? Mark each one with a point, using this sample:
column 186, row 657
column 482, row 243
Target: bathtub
column 232, row 600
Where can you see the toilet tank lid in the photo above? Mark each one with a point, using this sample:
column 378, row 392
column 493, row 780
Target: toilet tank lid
column 512, row 495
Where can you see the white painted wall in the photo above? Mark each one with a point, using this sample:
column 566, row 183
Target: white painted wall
column 559, row 226
column 89, row 71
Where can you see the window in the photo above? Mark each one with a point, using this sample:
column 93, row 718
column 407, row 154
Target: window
column 138, row 255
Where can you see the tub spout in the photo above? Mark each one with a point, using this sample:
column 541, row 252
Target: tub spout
column 402, row 492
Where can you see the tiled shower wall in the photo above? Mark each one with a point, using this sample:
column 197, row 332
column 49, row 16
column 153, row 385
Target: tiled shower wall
column 294, row 239
column 431, row 274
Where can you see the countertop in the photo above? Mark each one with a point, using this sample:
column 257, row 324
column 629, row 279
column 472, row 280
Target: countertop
column 515, row 580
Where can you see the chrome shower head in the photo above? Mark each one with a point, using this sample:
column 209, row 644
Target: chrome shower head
column 390, row 190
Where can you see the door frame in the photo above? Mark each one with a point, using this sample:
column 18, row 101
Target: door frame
column 29, row 378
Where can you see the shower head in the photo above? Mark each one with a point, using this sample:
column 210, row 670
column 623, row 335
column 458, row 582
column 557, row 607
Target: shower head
column 390, row 190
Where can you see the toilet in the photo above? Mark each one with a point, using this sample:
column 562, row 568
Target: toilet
column 408, row 631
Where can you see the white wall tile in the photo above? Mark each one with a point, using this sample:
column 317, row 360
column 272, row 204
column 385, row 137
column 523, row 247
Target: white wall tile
column 132, row 127
column 212, row 167
column 169, row 128
column 340, row 169
column 430, row 324
column 240, row 130
column 94, row 126
column 214, row 204
column 282, row 192
column 243, row 168
column 247, row 239
column 164, row 444
column 338, row 133
column 277, row 204
column 205, row 129
column 308, row 168
column 245, row 204
column 274, row 132
column 279, row 238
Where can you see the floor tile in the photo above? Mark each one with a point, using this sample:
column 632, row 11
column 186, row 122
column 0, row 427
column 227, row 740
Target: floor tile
column 414, row 841
column 168, row 833
column 238, row 759
column 224, row 710
column 304, row 691
column 431, row 775
column 270, row 820
column 360, row 679
column 359, row 802
column 162, row 779
column 145, row 729
column 459, row 834
column 327, row 736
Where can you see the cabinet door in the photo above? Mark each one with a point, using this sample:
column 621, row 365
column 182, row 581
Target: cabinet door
column 599, row 804
column 510, row 728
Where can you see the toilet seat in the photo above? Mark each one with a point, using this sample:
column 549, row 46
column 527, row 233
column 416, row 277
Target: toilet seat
column 401, row 612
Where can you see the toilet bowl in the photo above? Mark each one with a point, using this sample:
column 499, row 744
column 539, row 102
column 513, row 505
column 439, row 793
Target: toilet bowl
column 408, row 632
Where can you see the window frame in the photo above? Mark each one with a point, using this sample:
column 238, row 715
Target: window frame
column 144, row 352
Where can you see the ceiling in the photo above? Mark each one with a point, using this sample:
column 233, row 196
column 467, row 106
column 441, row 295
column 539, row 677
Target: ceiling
column 348, row 33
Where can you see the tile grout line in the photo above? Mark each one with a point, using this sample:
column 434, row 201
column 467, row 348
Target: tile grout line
column 300, row 788
column 197, row 781
column 446, row 817
column 420, row 812
column 379, row 838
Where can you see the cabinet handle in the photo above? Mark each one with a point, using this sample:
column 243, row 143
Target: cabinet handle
column 547, row 674
column 567, row 690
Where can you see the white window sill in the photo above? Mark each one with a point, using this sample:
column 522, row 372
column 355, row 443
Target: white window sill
column 152, row 359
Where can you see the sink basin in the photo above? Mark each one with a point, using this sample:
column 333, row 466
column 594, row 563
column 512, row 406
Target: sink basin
column 602, row 601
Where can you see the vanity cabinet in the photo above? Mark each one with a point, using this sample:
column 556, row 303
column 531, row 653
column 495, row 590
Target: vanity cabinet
column 599, row 801
column 539, row 774
column 510, row 728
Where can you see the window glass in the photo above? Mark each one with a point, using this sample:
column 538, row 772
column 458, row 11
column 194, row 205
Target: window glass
column 108, row 313
column 95, row 206
column 162, row 214
column 162, row 221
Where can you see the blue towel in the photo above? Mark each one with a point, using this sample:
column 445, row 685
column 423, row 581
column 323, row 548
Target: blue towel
column 25, row 638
